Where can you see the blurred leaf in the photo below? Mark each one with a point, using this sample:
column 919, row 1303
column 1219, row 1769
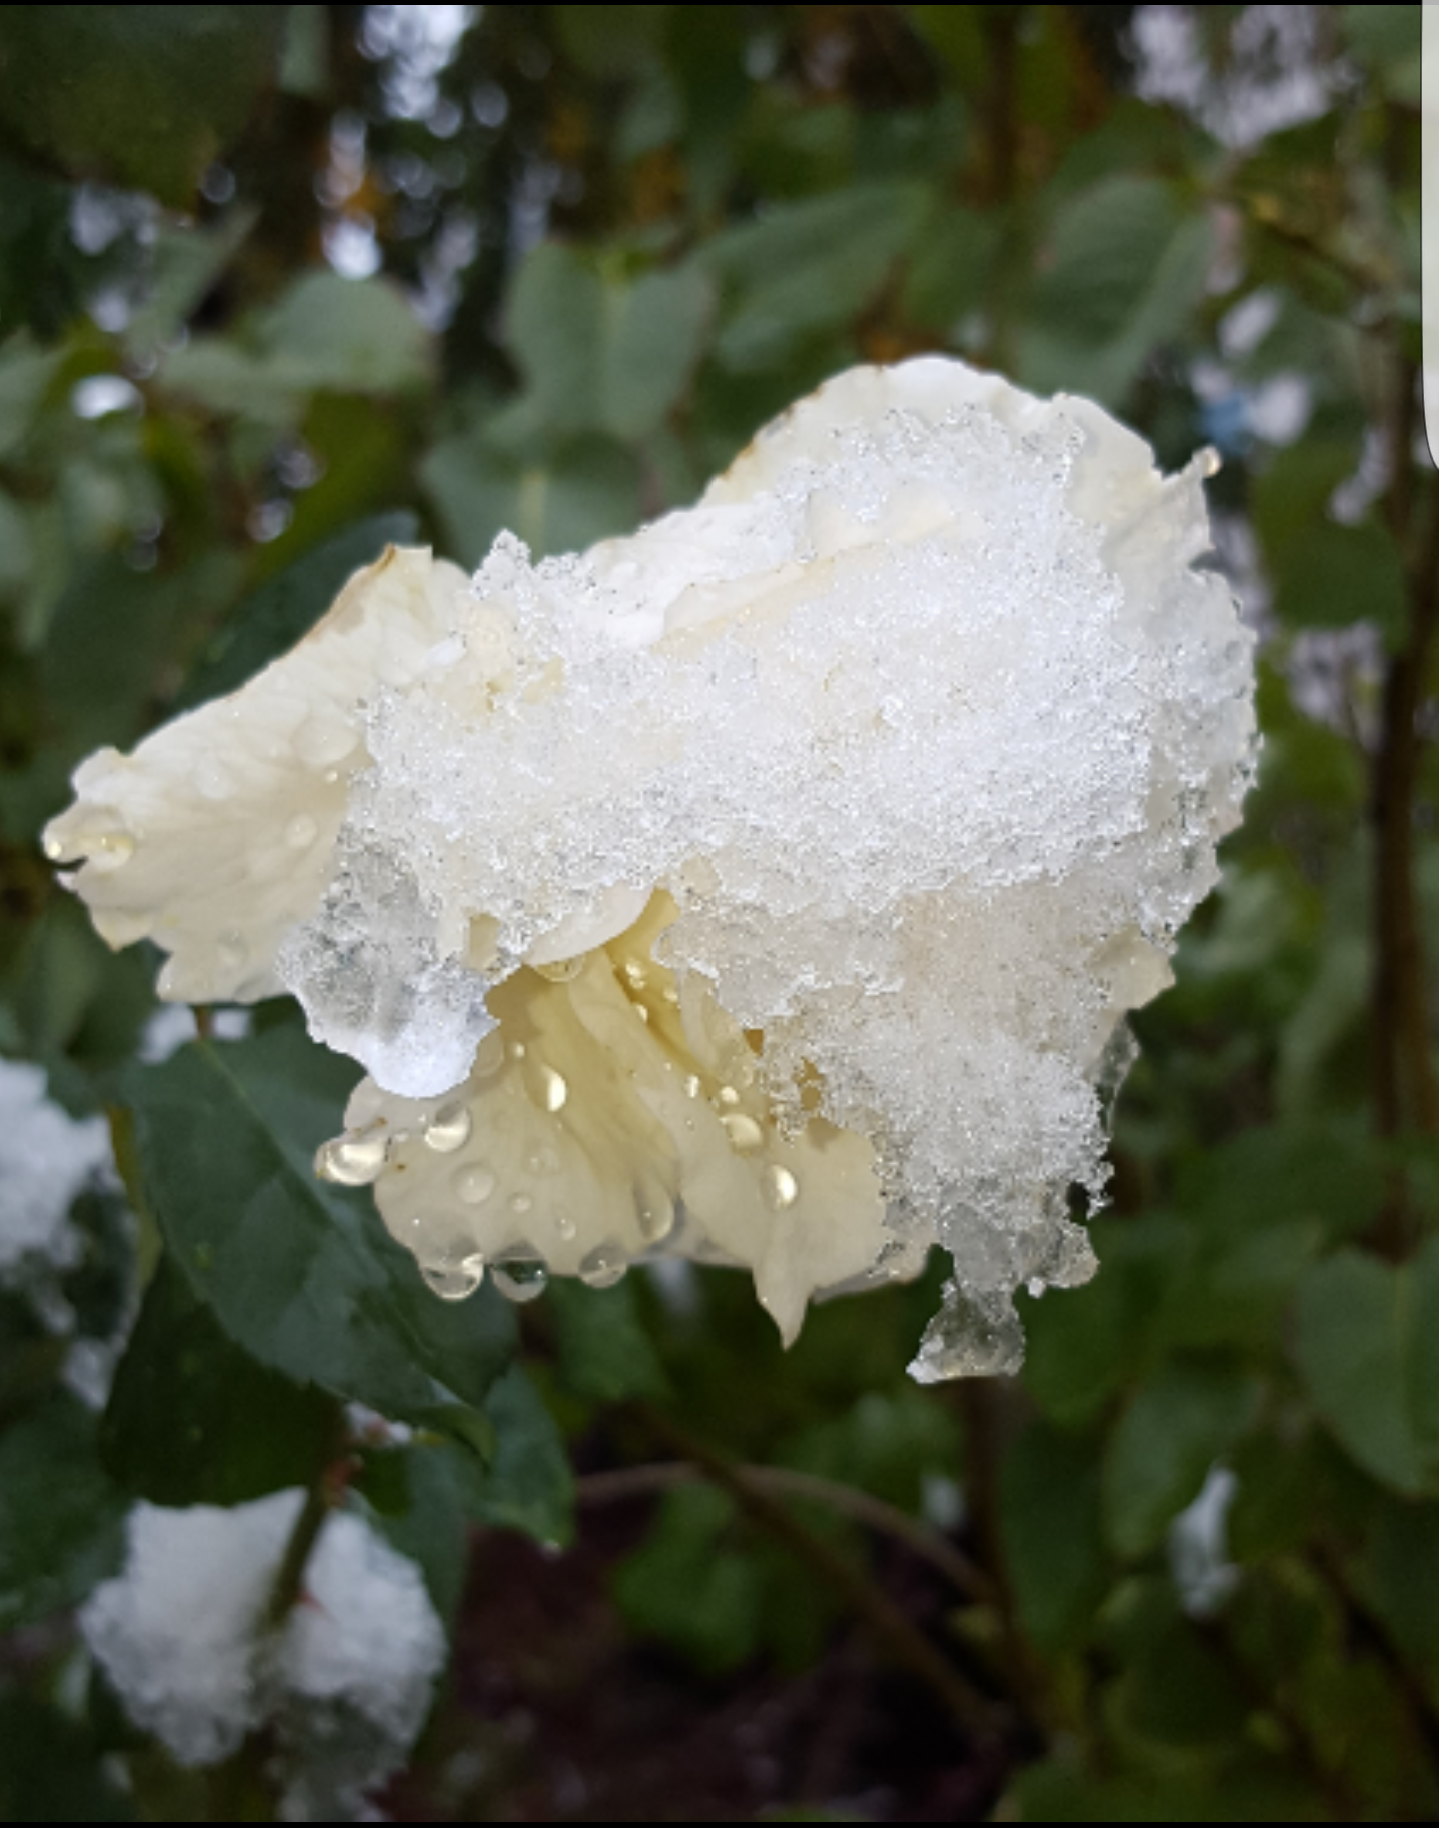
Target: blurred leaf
column 416, row 1496
column 1336, row 575
column 271, row 620
column 610, row 41
column 1292, row 492
column 808, row 266
column 194, row 1420
column 1059, row 1790
column 686, row 1588
column 1179, row 1694
column 51, row 1770
column 352, row 335
column 140, row 96
column 1401, row 1572
column 301, row 1273
column 1157, row 1459
column 587, row 491
column 1367, row 1345
column 61, row 1520
column 1127, row 267
column 601, row 353
column 185, row 262
column 948, row 273
column 889, row 1442
column 26, row 376
column 1049, row 1513
column 604, row 1350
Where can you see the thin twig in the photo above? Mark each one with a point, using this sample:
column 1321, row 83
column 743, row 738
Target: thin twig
column 971, row 1710
column 786, row 1482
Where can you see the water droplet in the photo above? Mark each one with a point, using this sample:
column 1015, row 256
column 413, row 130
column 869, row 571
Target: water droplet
column 520, row 1277
column 489, row 1055
column 55, row 848
column 448, row 1129
column 641, row 1012
column 779, row 1187
column 320, row 742
column 301, row 832
column 604, row 1266
column 111, row 850
column 744, row 1133
column 692, row 1086
column 353, row 1161
column 212, row 779
column 562, row 970
column 520, row 1203
column 656, row 1215
column 672, row 996
column 548, row 1088
column 457, row 1282
column 543, row 1160
column 635, row 974
column 234, row 953
column 474, row 1185
column 565, row 1226
column 517, row 1050
column 728, row 1095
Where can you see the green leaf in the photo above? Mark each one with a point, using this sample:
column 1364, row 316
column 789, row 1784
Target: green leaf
column 300, row 1272
column 51, row 1769
column 687, row 1588
column 194, row 1420
column 417, row 1498
column 1401, row 1572
column 1335, row 575
column 601, row 353
column 1367, row 1346
column 61, row 1520
column 141, row 96
column 528, row 1484
column 605, row 1352
column 272, row 619
column 1290, row 495
column 610, row 41
column 351, row 335
column 1175, row 1428
column 1127, row 266
column 809, row 266
column 1049, row 1518
column 1178, row 1694
column 583, row 492
column 949, row 271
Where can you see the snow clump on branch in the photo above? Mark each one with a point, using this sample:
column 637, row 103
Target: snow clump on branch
column 767, row 888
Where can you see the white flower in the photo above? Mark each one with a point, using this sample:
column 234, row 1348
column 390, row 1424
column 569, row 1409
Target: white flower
column 346, row 1678
column 806, row 847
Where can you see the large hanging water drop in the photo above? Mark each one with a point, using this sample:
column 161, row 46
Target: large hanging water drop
column 353, row 1161
column 604, row 1266
column 520, row 1277
column 448, row 1130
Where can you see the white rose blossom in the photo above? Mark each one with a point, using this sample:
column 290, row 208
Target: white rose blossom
column 766, row 888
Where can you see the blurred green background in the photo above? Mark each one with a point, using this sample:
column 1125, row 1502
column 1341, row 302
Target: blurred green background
column 281, row 283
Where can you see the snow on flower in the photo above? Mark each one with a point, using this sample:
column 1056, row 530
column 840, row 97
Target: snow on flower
column 345, row 1680
column 768, row 887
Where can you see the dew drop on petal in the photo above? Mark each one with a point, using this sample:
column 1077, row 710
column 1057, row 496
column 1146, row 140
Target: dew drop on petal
column 112, row 850
column 550, row 1089
column 449, row 1129
column 692, row 1086
column 779, row 1187
column 320, row 742
column 353, row 1161
column 301, row 832
column 54, row 849
column 213, row 779
column 234, row 953
column 604, row 1266
column 474, row 1185
column 656, row 1215
column 543, row 1161
column 520, row 1277
column 744, row 1133
column 489, row 1056
column 562, row 970
column 520, row 1203
column 455, row 1284
column 728, row 1095
column 565, row 1226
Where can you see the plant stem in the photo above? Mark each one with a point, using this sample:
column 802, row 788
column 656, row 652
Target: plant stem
column 970, row 1709
column 786, row 1482
column 290, row 1575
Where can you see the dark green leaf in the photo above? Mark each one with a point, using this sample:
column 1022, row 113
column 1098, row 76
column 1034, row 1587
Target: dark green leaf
column 1332, row 576
column 51, row 1770
column 586, row 491
column 1177, row 1425
column 194, row 1420
column 605, row 1352
column 528, row 1485
column 141, row 96
column 61, row 1520
column 300, row 1272
column 688, row 1588
column 1049, row 1513
column 1402, row 1573
column 418, row 1497
column 1367, row 1345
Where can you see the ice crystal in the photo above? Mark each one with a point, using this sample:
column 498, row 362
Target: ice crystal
column 768, row 887
column 48, row 1157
